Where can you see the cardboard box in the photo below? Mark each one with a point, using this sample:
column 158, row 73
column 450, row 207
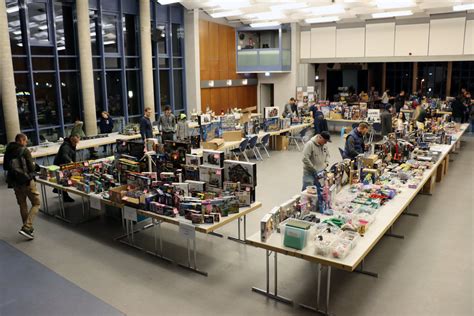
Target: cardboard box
column 245, row 117
column 335, row 116
column 369, row 160
column 213, row 144
column 116, row 194
column 232, row 136
column 280, row 142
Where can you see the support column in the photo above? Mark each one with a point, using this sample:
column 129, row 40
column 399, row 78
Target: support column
column 384, row 78
column 7, row 79
column 191, row 56
column 414, row 78
column 87, row 74
column 448, row 78
column 146, row 57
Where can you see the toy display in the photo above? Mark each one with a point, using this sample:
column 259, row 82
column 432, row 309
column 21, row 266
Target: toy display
column 213, row 158
column 271, row 112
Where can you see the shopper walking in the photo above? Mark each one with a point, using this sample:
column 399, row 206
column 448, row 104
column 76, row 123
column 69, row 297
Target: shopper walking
column 355, row 141
column 66, row 155
column 167, row 124
column 21, row 177
column 315, row 158
column 146, row 130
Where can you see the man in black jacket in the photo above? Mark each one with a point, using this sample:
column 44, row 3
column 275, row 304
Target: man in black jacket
column 65, row 155
column 146, row 129
column 386, row 120
column 355, row 141
column 21, row 170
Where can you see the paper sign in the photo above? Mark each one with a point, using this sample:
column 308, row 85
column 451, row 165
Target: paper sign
column 94, row 201
column 373, row 115
column 310, row 89
column 130, row 213
column 187, row 231
column 298, row 89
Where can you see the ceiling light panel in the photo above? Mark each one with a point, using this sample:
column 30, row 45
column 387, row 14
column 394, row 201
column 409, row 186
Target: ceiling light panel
column 264, row 24
column 325, row 19
column 381, row 15
column 395, row 4
column 326, row 10
column 224, row 14
column 463, row 7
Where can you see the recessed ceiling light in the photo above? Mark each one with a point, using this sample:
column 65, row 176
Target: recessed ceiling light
column 272, row 15
column 322, row 19
column 224, row 14
column 464, row 7
column 289, row 6
column 267, row 74
column 395, row 4
column 391, row 14
column 264, row 24
column 235, row 4
column 165, row 2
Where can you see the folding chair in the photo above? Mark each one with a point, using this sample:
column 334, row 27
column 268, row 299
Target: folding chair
column 264, row 141
column 241, row 149
column 252, row 145
column 299, row 137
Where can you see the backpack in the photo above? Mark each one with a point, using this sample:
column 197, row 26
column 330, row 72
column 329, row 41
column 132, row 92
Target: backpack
column 18, row 170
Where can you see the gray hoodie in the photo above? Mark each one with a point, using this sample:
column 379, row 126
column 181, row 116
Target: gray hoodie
column 315, row 156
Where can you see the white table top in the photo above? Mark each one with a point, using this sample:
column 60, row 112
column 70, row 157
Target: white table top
column 385, row 217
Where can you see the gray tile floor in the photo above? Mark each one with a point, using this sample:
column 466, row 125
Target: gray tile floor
column 430, row 272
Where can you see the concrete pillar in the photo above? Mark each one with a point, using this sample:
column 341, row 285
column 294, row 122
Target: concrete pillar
column 7, row 79
column 449, row 78
column 414, row 78
column 191, row 56
column 384, row 78
column 87, row 74
column 146, row 56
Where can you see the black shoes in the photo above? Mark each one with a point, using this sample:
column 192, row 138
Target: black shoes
column 55, row 191
column 27, row 233
column 67, row 199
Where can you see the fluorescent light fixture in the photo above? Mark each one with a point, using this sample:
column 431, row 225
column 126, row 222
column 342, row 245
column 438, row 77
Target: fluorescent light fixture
column 264, row 24
column 244, row 82
column 460, row 7
column 330, row 9
column 394, row 4
column 229, row 5
column 391, row 14
column 109, row 42
column 267, row 74
column 323, row 19
column 165, row 2
column 43, row 27
column 272, row 15
column 13, row 9
column 17, row 32
column 224, row 14
column 289, row 6
column 130, row 94
column 229, row 82
column 211, row 83
column 61, row 47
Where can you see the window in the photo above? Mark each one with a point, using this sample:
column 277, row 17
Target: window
column 160, row 38
column 46, row 101
column 463, row 77
column 64, row 20
column 164, row 88
column 133, row 93
column 432, row 79
column 178, row 89
column 14, row 28
column 177, row 37
column 130, row 35
column 94, row 30
column 23, row 101
column 399, row 77
column 99, row 99
column 38, row 24
column 70, row 96
column 114, row 92
column 109, row 33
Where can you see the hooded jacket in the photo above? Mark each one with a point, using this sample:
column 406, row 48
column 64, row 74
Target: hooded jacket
column 13, row 151
column 66, row 153
column 354, row 144
column 315, row 156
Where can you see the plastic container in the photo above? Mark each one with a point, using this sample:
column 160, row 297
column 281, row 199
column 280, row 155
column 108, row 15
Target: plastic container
column 294, row 232
column 340, row 248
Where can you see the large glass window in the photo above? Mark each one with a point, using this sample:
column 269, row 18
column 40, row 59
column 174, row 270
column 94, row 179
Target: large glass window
column 399, row 77
column 463, row 77
column 432, row 79
column 133, row 93
column 178, row 38
column 99, row 98
column 23, row 101
column 14, row 27
column 164, row 88
column 178, row 90
column 70, row 96
column 109, row 33
column 130, row 35
column 114, row 92
column 38, row 23
column 160, row 36
column 46, row 101
column 64, row 20
column 94, row 30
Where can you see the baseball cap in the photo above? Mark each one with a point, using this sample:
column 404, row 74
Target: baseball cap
column 326, row 136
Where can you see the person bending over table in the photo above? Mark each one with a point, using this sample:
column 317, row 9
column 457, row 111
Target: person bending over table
column 167, row 125
column 66, row 155
column 315, row 158
column 290, row 108
column 355, row 141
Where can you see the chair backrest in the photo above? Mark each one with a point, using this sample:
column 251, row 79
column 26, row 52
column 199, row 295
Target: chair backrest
column 377, row 127
column 341, row 151
column 253, row 141
column 265, row 139
column 243, row 144
column 303, row 132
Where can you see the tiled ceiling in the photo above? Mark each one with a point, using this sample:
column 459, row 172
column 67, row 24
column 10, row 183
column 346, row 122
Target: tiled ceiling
column 318, row 11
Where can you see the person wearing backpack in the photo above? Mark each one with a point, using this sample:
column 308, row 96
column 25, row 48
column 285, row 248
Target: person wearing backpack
column 21, row 177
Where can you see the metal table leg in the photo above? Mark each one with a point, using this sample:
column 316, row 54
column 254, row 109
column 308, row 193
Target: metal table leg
column 410, row 213
column 267, row 292
column 391, row 234
column 363, row 271
column 194, row 266
column 157, row 225
column 238, row 239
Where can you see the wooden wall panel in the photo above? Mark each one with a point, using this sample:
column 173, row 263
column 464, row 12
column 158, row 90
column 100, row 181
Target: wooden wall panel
column 218, row 62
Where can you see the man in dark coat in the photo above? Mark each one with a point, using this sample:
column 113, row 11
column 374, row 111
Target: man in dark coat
column 21, row 170
column 146, row 129
column 355, row 141
column 386, row 120
column 65, row 155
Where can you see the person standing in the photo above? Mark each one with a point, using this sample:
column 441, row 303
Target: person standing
column 386, row 120
column 66, row 155
column 290, row 108
column 355, row 141
column 320, row 123
column 315, row 158
column 106, row 123
column 167, row 125
column 419, row 117
column 146, row 129
column 385, row 97
column 400, row 101
column 21, row 177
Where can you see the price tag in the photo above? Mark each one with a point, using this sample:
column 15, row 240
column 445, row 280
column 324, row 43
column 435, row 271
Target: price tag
column 218, row 172
column 187, row 231
column 130, row 213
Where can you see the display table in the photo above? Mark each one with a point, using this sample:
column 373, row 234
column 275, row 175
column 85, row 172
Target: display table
column 342, row 122
column 385, row 218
